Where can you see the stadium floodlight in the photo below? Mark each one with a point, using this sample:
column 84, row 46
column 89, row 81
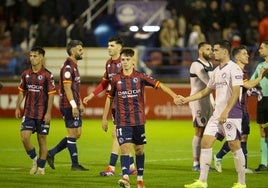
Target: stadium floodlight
column 134, row 28
column 151, row 28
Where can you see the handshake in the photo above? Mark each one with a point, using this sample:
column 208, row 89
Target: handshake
column 180, row 100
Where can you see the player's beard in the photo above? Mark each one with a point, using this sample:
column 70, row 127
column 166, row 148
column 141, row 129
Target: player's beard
column 207, row 56
column 78, row 57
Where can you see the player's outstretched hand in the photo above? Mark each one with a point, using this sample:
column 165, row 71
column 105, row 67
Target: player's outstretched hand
column 88, row 98
column 179, row 100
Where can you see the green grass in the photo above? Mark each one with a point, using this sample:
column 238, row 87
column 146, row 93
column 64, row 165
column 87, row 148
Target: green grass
column 168, row 158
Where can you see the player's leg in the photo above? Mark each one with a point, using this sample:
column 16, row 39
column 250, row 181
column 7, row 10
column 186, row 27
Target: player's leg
column 42, row 130
column 27, row 129
column 232, row 129
column 110, row 170
column 140, row 158
column 205, row 158
column 218, row 157
column 52, row 152
column 196, row 142
column 264, row 149
column 244, row 139
column 201, row 112
column 262, row 120
column 43, row 154
column 207, row 142
column 73, row 135
column 124, row 136
column 239, row 160
column 125, row 163
column 62, row 144
column 30, row 149
column 139, row 139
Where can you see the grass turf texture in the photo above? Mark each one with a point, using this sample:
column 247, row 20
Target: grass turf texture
column 168, row 161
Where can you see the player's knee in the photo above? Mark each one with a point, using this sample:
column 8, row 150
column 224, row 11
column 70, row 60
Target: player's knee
column 234, row 145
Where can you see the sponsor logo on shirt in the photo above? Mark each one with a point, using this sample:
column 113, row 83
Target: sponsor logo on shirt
column 129, row 93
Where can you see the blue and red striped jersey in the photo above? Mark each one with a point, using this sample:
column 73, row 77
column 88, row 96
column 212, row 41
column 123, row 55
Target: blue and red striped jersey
column 69, row 74
column 37, row 87
column 128, row 94
column 112, row 67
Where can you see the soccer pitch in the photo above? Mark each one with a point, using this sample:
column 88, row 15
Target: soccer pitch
column 168, row 158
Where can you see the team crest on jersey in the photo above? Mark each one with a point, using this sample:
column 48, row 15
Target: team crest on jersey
column 223, row 75
column 67, row 74
column 118, row 65
column 229, row 126
column 135, row 80
column 75, row 123
column 121, row 140
column 40, row 77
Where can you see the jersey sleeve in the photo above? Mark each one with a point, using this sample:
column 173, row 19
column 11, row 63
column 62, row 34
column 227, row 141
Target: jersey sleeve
column 150, row 81
column 237, row 76
column 22, row 86
column 51, row 84
column 199, row 71
column 67, row 73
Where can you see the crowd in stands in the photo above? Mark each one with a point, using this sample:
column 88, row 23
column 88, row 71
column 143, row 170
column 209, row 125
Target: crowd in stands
column 25, row 23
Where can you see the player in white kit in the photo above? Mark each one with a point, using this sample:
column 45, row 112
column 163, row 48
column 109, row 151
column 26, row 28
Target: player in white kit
column 202, row 108
column 226, row 80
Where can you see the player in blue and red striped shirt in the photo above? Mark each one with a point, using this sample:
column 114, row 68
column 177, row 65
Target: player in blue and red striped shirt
column 112, row 67
column 127, row 92
column 71, row 105
column 38, row 88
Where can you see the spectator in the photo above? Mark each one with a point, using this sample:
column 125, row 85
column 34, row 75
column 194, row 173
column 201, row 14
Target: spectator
column 263, row 28
column 213, row 22
column 168, row 40
column 228, row 18
column 252, row 33
column 196, row 36
column 246, row 15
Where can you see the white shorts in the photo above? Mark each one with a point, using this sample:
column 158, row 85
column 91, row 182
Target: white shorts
column 201, row 112
column 231, row 129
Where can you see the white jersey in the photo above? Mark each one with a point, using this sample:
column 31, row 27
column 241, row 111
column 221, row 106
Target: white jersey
column 199, row 77
column 222, row 80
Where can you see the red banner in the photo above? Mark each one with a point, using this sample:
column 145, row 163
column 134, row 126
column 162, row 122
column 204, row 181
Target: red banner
column 159, row 105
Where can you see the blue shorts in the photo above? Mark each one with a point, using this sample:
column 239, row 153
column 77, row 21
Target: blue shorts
column 70, row 121
column 245, row 124
column 131, row 134
column 34, row 125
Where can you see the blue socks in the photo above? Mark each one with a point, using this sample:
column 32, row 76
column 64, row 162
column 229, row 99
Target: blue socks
column 59, row 147
column 140, row 164
column 71, row 145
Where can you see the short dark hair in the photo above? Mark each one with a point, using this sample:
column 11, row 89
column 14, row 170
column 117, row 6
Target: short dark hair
column 38, row 49
column 127, row 52
column 72, row 44
column 225, row 44
column 237, row 50
column 117, row 40
column 201, row 44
